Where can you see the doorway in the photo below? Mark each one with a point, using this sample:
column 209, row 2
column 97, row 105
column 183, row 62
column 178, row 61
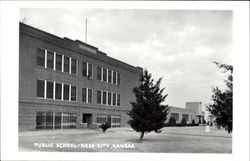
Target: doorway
column 87, row 118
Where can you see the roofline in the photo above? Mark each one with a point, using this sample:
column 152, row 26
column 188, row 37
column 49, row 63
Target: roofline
column 75, row 46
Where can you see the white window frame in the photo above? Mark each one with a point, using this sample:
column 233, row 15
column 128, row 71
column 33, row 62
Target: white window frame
column 69, row 65
column 45, row 59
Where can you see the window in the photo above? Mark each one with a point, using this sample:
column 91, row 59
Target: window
column 50, row 59
column 109, row 98
column 104, row 97
column 73, row 93
column 58, row 91
column 55, row 120
column 100, row 119
column 73, row 66
column 41, row 57
column 104, row 75
column 84, row 95
column 118, row 100
column 40, row 120
column 175, row 116
column 99, row 97
column 49, row 93
column 90, row 69
column 72, row 120
column 89, row 95
column 118, row 78
column 40, row 88
column 185, row 116
column 114, row 99
column 99, row 73
column 66, row 64
column 58, row 120
column 116, row 121
column 49, row 120
column 65, row 92
column 109, row 76
column 69, row 120
column 84, row 69
column 58, row 62
column 114, row 77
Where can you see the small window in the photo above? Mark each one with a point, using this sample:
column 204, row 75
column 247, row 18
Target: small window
column 73, row 93
column 84, row 95
column 84, row 69
column 104, row 75
column 99, row 97
column 99, row 73
column 109, row 98
column 118, row 100
column 58, row 62
column 114, row 77
column 90, row 69
column 73, row 66
column 65, row 92
column 58, row 91
column 104, row 97
column 114, row 99
column 66, row 64
column 49, row 89
column 89, row 95
column 175, row 116
column 40, row 88
column 118, row 78
column 41, row 57
column 50, row 59
column 109, row 76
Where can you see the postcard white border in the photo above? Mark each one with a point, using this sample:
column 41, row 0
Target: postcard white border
column 9, row 80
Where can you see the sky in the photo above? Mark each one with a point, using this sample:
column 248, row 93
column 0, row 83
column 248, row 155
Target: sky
column 178, row 45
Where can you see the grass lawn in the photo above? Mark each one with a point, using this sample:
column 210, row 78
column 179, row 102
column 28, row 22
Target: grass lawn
column 170, row 140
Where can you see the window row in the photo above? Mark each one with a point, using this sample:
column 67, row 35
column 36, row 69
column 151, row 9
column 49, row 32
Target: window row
column 56, row 91
column 176, row 116
column 55, row 120
column 109, row 76
column 113, row 120
column 52, row 60
column 108, row 98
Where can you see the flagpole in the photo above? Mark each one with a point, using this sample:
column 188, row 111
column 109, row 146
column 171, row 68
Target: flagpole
column 86, row 30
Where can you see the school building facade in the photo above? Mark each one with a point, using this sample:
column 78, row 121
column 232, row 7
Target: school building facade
column 70, row 84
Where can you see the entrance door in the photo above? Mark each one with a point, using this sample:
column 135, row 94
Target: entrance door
column 87, row 118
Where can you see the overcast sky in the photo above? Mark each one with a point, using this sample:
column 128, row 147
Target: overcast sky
column 177, row 45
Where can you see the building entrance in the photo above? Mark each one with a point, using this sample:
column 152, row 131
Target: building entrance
column 87, row 118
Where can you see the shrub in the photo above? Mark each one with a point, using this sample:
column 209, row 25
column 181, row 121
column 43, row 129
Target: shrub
column 105, row 126
column 193, row 122
column 183, row 122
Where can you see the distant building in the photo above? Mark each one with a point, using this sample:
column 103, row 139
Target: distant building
column 70, row 84
column 193, row 111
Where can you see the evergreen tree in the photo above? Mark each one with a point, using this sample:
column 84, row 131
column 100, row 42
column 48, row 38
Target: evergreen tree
column 222, row 107
column 147, row 113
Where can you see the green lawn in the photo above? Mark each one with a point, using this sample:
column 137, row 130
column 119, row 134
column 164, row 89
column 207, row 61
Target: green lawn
column 170, row 140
